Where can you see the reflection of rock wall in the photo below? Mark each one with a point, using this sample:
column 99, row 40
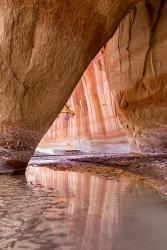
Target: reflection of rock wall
column 93, row 208
column 136, row 64
column 89, row 113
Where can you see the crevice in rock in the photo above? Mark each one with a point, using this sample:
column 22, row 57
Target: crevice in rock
column 128, row 45
column 119, row 49
column 153, row 28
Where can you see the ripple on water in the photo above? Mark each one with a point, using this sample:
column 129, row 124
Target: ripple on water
column 77, row 211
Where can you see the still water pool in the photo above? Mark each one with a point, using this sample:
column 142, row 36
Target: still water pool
column 63, row 210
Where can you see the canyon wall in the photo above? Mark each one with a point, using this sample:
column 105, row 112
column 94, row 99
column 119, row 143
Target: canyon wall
column 136, row 65
column 88, row 121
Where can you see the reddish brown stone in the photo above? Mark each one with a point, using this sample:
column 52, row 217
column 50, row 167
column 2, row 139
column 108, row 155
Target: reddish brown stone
column 17, row 145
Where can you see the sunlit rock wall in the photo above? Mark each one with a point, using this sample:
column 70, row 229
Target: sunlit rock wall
column 136, row 64
column 88, row 119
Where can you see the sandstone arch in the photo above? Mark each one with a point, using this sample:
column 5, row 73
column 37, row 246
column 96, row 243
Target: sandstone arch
column 45, row 47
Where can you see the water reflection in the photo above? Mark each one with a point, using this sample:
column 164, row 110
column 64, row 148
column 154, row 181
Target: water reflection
column 93, row 204
column 77, row 211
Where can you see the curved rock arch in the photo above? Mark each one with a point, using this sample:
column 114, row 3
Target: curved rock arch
column 45, row 46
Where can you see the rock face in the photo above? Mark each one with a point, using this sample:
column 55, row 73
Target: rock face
column 45, row 47
column 136, row 64
column 88, row 120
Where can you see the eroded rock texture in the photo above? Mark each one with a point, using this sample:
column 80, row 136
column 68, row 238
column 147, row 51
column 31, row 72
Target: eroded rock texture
column 136, row 64
column 88, row 120
column 45, row 46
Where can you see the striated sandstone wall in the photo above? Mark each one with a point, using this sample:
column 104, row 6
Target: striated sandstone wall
column 136, row 65
column 88, row 120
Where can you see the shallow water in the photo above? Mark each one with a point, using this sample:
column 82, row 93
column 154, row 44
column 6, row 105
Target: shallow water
column 76, row 211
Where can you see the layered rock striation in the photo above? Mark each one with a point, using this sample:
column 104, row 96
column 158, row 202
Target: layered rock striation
column 88, row 121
